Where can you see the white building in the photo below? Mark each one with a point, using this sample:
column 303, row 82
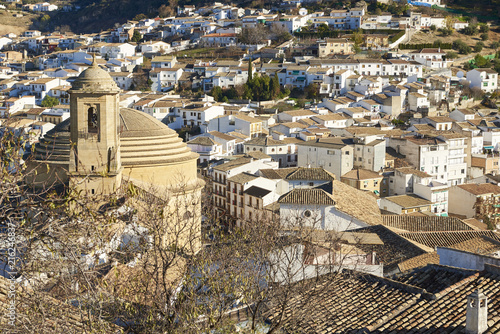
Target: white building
column 484, row 78
column 433, row 58
column 335, row 207
column 333, row 154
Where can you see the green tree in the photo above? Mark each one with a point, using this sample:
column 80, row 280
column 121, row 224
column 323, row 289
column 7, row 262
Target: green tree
column 451, row 55
column 484, row 36
column 323, row 28
column 136, row 37
column 481, row 61
column 357, row 38
column 483, row 28
column 461, row 47
column 256, row 87
column 139, row 17
column 216, row 93
column 49, row 101
column 247, row 92
column 250, row 69
column 275, row 87
column 479, row 46
column 496, row 65
column 312, row 91
column 470, row 30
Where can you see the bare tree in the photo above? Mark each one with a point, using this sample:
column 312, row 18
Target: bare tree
column 133, row 261
column 253, row 35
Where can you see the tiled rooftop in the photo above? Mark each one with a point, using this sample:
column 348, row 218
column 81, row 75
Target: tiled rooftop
column 394, row 250
column 434, row 278
column 429, row 300
column 424, row 223
column 299, row 173
column 480, row 245
column 344, row 307
column 446, row 239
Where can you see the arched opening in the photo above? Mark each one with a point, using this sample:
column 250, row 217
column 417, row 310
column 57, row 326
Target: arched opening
column 92, row 120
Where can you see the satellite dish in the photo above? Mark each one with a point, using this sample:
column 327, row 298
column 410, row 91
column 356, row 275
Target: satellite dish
column 460, row 74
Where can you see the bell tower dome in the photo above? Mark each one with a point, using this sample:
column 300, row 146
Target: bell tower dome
column 95, row 164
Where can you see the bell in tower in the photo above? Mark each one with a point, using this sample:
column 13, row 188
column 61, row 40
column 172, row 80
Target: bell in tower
column 95, row 165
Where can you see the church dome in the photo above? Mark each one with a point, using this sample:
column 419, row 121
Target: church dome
column 143, row 141
column 95, row 79
column 146, row 141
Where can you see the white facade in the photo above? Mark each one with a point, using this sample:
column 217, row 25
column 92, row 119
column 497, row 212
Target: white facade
column 321, row 217
column 484, row 78
column 336, row 158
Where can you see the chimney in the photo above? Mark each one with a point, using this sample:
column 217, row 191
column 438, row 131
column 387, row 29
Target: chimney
column 477, row 313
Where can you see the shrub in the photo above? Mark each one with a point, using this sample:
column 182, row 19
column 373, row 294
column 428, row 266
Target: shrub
column 479, row 46
column 470, row 30
column 451, row 55
column 483, row 28
column 461, row 47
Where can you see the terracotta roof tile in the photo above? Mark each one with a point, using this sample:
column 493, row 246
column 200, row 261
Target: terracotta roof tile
column 356, row 203
column 434, row 278
column 425, row 223
column 446, row 239
column 361, row 174
column 299, row 173
column 480, row 189
column 395, row 249
column 369, row 304
column 408, row 201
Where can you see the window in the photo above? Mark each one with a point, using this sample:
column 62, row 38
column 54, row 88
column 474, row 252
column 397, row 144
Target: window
column 307, row 214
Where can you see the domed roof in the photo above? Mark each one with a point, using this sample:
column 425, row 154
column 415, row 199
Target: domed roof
column 95, row 79
column 139, row 124
column 143, row 139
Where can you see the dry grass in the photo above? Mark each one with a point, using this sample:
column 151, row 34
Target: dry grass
column 429, row 36
column 16, row 25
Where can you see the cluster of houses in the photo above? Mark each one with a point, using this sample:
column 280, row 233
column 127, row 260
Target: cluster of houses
column 393, row 153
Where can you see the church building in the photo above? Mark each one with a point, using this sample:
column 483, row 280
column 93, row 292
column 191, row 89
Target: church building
column 102, row 146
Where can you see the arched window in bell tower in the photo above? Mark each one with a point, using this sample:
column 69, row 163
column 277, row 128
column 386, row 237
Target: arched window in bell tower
column 92, row 120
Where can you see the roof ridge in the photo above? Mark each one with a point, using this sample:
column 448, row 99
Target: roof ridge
column 460, row 283
column 414, row 243
column 413, row 289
